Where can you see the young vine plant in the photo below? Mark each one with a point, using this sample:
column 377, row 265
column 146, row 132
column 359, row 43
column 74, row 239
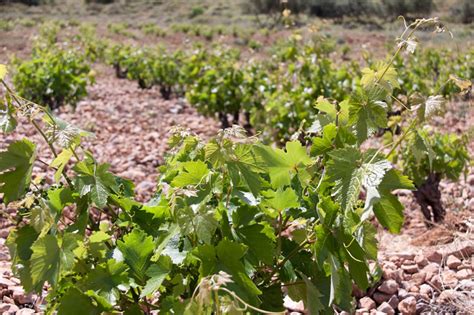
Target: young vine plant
column 235, row 225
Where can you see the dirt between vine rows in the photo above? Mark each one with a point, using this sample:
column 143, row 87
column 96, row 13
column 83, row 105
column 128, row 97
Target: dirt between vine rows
column 424, row 270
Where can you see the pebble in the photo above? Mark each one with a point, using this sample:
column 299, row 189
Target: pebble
column 434, row 256
column 396, row 275
column 406, row 256
column 466, row 285
column 393, row 301
column 25, row 311
column 464, row 274
column 389, row 287
column 449, row 278
column 436, row 282
column 407, row 306
column 5, row 283
column 448, row 296
column 431, row 269
column 410, row 268
column 402, row 293
column 362, row 311
column 8, row 308
column 418, row 278
column 453, row 262
column 380, row 297
column 426, row 289
column 367, row 303
column 386, row 308
column 21, row 298
column 421, row 261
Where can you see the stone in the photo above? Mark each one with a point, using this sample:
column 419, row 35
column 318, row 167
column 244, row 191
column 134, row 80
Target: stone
column 421, row 261
column 453, row 262
column 22, row 298
column 386, row 308
column 389, row 287
column 410, row 268
column 406, row 285
column 389, row 265
column 465, row 265
column 407, row 306
column 380, row 297
column 464, row 274
column 448, row 296
column 418, row 278
column 402, row 293
column 361, row 311
column 449, row 278
column 367, row 303
column 8, row 308
column 436, row 282
column 463, row 249
column 466, row 285
column 15, row 280
column 423, row 307
column 5, row 283
column 426, row 289
column 406, row 256
column 393, row 301
column 414, row 289
column 28, row 311
column 434, row 256
column 431, row 269
column 396, row 275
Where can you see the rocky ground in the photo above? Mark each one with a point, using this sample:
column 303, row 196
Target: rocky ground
column 423, row 270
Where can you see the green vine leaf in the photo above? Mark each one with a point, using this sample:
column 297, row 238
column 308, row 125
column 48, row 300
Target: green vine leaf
column 385, row 77
column 351, row 171
column 105, row 280
column 282, row 165
column 60, row 163
column 8, row 122
column 229, row 254
column 367, row 112
column 63, row 133
column 16, row 164
column 157, row 273
column 95, row 180
column 191, row 173
column 137, row 248
column 313, row 297
column 50, row 257
column 74, row 302
column 386, row 206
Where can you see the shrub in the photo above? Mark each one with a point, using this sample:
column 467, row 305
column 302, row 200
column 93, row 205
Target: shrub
column 196, row 11
column 6, row 25
column 27, row 2
column 395, row 8
column 428, row 158
column 120, row 29
column 463, row 11
column 54, row 76
column 218, row 89
column 272, row 6
column 100, row 1
column 153, row 29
